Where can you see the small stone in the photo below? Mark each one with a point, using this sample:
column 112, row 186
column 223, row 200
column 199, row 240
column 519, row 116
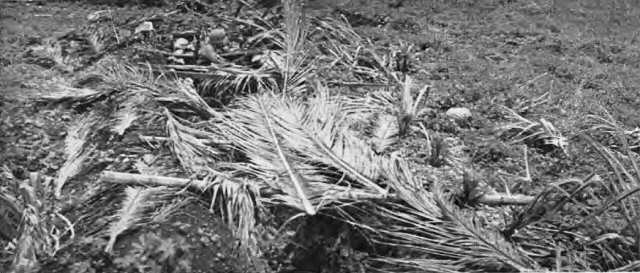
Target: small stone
column 217, row 36
column 181, row 44
column 148, row 159
column 459, row 113
column 124, row 33
column 146, row 26
column 209, row 52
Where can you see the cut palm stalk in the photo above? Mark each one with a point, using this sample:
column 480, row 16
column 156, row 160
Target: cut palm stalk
column 493, row 199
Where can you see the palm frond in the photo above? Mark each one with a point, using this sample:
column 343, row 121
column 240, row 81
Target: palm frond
column 409, row 105
column 291, row 59
column 385, row 133
column 296, row 180
column 624, row 171
column 525, row 130
column 134, row 210
column 181, row 94
column 320, row 131
column 631, row 267
column 118, row 73
column 485, row 247
column 52, row 50
column 309, row 135
column 96, row 42
column 75, row 150
column 295, row 31
column 62, row 93
column 428, row 225
column 191, row 145
column 240, row 200
column 126, row 115
column 228, row 82
column 422, row 265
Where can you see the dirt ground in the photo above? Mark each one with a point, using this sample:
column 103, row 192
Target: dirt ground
column 579, row 56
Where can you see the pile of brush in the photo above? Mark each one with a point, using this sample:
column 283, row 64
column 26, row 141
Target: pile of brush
column 306, row 114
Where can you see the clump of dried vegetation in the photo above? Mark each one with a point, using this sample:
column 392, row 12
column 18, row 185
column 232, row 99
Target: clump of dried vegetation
column 296, row 141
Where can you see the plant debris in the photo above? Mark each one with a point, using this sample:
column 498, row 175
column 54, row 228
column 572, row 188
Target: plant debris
column 319, row 136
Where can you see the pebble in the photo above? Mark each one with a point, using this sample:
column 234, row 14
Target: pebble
column 459, row 113
column 217, row 36
column 181, row 44
column 144, row 27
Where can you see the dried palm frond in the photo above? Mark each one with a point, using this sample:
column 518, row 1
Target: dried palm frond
column 528, row 131
column 225, row 83
column 63, row 93
column 631, row 267
column 71, row 167
column 291, row 61
column 319, row 130
column 293, row 69
column 409, row 105
column 240, row 202
column 191, row 145
column 96, row 42
column 406, row 107
column 429, row 226
column 134, row 210
column 180, row 95
column 608, row 125
column 417, row 265
column 252, row 130
column 117, row 72
column 337, row 30
column 52, row 50
column 386, row 133
column 309, row 134
column 75, row 150
column 29, row 245
column 624, row 169
column 296, row 179
column 127, row 114
column 485, row 248
column 39, row 235
column 364, row 107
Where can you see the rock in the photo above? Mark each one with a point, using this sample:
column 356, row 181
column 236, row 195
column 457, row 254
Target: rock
column 145, row 26
column 181, row 44
column 459, row 113
column 209, row 53
column 217, row 36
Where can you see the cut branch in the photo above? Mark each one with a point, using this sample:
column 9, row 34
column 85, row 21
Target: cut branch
column 494, row 199
column 497, row 199
column 151, row 180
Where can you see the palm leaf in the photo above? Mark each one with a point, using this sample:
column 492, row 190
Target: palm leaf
column 428, row 224
column 319, row 131
column 240, row 199
column 134, row 208
column 486, row 248
column 75, row 150
column 190, row 145
column 309, row 135
column 295, row 178
column 385, row 133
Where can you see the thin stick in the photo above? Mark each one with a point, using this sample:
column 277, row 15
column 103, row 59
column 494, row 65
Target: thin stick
column 493, row 199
